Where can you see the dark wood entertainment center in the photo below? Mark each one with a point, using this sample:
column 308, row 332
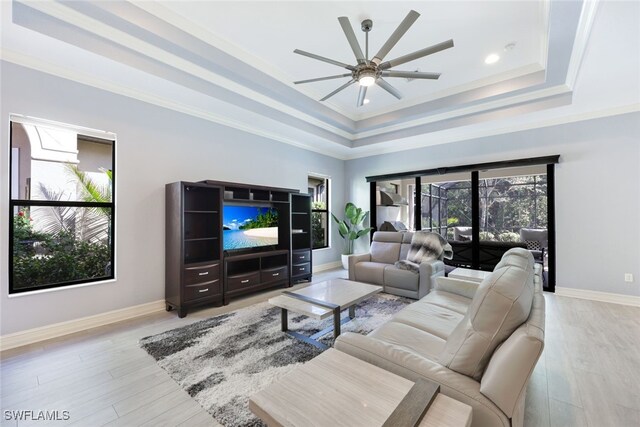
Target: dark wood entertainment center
column 198, row 271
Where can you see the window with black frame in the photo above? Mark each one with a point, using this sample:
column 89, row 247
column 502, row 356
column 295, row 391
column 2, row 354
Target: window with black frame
column 61, row 206
column 319, row 190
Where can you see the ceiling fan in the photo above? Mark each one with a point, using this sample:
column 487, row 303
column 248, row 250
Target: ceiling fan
column 368, row 72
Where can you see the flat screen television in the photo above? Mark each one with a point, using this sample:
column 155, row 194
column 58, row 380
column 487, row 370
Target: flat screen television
column 246, row 227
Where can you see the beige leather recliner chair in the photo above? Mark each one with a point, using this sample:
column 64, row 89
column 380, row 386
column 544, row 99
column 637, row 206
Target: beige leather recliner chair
column 377, row 266
column 480, row 342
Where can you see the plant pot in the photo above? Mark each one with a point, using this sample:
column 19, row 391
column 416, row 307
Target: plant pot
column 345, row 261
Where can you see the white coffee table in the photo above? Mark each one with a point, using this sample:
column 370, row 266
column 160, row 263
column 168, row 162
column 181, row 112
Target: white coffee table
column 469, row 274
column 321, row 300
column 336, row 389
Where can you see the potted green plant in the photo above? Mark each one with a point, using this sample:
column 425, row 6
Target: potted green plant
column 351, row 229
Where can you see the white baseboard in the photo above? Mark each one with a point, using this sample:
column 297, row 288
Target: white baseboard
column 327, row 266
column 598, row 296
column 56, row 330
column 31, row 336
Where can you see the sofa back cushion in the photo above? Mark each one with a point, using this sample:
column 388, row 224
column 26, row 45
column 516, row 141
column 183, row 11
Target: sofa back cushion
column 501, row 304
column 511, row 365
column 385, row 247
column 518, row 257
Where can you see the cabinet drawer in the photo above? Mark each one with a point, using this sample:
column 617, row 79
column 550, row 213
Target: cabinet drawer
column 301, row 269
column 202, row 290
column 301, row 256
column 273, row 274
column 242, row 281
column 201, row 274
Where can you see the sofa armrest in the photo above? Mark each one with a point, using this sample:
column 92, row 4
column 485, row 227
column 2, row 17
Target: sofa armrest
column 463, row 288
column 412, row 366
column 429, row 271
column 353, row 260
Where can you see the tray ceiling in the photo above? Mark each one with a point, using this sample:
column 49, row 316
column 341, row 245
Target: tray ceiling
column 233, row 62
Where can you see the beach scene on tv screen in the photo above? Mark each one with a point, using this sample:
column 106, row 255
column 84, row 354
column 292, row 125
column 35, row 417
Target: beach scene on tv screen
column 249, row 227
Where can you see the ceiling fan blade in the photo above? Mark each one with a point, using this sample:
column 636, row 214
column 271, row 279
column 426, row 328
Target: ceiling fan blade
column 361, row 95
column 386, row 86
column 411, row 75
column 351, row 38
column 406, row 23
column 323, row 59
column 344, row 86
column 318, row 79
column 417, row 54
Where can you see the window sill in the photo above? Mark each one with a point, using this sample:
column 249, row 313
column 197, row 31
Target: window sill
column 60, row 288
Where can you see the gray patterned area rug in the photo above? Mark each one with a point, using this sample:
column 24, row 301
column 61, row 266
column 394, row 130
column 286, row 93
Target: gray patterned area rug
column 222, row 361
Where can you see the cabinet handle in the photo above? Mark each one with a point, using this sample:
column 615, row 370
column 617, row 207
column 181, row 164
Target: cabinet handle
column 301, row 269
column 301, row 257
column 203, row 290
column 203, row 273
column 275, row 274
column 244, row 281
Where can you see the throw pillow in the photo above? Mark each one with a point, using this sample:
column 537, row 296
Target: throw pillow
column 425, row 246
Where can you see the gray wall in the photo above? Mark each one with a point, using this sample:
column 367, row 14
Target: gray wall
column 597, row 191
column 598, row 188
column 155, row 146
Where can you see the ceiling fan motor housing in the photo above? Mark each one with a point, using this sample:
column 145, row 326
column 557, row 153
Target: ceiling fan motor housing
column 367, row 25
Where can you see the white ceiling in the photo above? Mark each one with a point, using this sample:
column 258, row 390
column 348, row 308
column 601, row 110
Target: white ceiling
column 232, row 63
column 267, row 32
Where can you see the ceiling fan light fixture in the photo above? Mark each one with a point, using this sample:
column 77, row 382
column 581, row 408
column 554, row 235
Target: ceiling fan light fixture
column 367, row 78
column 366, row 101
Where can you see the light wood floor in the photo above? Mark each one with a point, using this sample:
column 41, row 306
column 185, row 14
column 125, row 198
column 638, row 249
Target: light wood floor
column 589, row 373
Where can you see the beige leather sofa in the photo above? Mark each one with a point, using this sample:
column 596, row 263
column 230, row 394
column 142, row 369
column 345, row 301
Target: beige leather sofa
column 480, row 342
column 377, row 267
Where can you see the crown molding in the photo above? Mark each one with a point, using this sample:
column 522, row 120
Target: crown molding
column 184, row 24
column 346, row 154
column 545, row 12
column 100, row 29
column 475, row 109
column 470, row 133
column 587, row 17
column 73, row 75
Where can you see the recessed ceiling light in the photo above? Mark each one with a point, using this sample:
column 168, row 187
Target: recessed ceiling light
column 366, row 101
column 492, row 58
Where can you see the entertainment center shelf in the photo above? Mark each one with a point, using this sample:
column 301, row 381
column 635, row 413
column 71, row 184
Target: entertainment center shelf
column 252, row 272
column 227, row 239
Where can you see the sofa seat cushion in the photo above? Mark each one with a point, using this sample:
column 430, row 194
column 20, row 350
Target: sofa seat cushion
column 453, row 302
column 413, row 339
column 370, row 272
column 399, row 278
column 433, row 319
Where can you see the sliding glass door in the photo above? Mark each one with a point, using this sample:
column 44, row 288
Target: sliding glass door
column 482, row 211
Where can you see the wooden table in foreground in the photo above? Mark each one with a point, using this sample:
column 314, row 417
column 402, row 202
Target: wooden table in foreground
column 338, row 389
column 321, row 300
column 468, row 274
